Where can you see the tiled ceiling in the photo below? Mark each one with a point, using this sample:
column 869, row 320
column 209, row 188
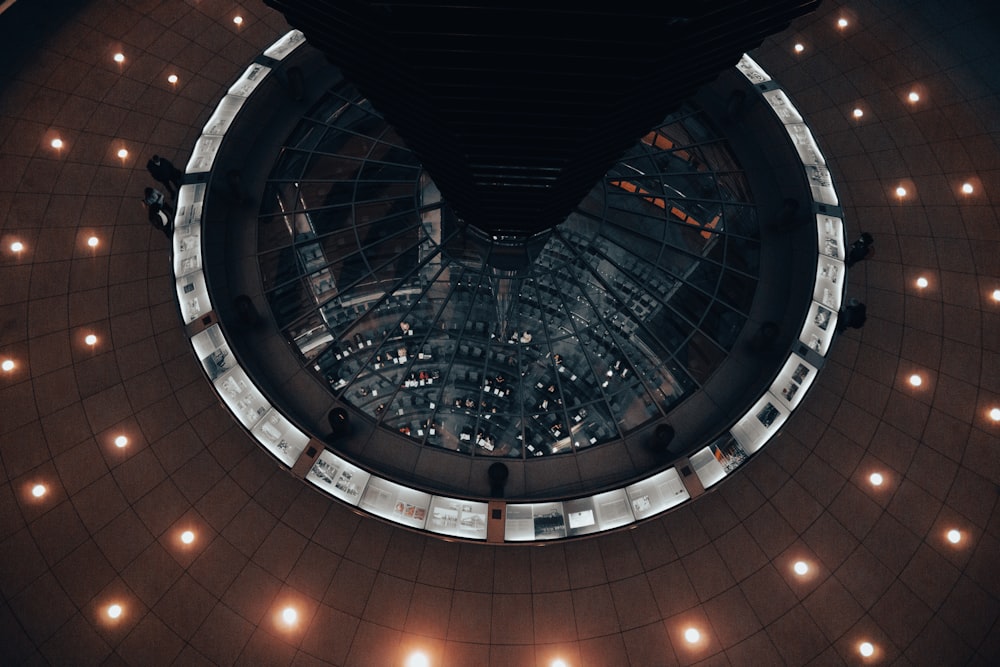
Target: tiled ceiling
column 108, row 529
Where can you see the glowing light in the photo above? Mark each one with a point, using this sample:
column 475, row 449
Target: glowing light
column 38, row 490
column 900, row 191
column 866, row 649
column 922, row 282
column 91, row 339
column 799, row 48
column 954, row 536
column 187, row 537
column 57, row 143
column 119, row 58
column 801, row 567
column 93, row 241
column 691, row 635
column 420, row 659
column 172, row 78
column 121, row 441
column 17, row 246
column 914, row 96
column 876, row 479
column 8, row 365
column 994, row 413
column 289, row 615
column 967, row 188
column 842, row 23
column 238, row 20
column 123, row 153
column 996, row 295
column 114, row 611
column 916, row 380
column 858, row 113
column 558, row 662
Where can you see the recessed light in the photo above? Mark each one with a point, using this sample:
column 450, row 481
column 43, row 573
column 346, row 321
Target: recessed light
column 922, row 282
column 954, row 536
column 7, row 365
column 121, row 441
column 858, row 113
column 289, row 615
column 875, row 478
column 123, row 153
column 866, row 649
column 967, row 188
column 916, row 380
column 995, row 414
column 799, row 48
column 172, row 78
column 420, row 659
column 841, row 23
column 691, row 635
column 558, row 662
column 238, row 20
column 93, row 241
column 57, row 143
column 119, row 58
column 900, row 191
column 38, row 490
column 187, row 537
column 996, row 295
column 914, row 96
column 91, row 340
column 800, row 567
column 16, row 246
column 114, row 611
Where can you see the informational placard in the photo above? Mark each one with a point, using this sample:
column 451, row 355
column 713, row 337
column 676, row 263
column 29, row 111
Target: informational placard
column 657, row 493
column 248, row 82
column 604, row 511
column 190, row 199
column 242, row 396
column 213, row 351
column 782, row 106
column 341, row 479
column 192, row 296
column 220, row 121
column 457, row 517
column 830, row 232
column 805, row 144
column 821, row 185
column 829, row 287
column 395, row 502
column 286, row 44
column 203, row 155
column 280, row 437
column 751, row 70
column 720, row 458
column 819, row 327
column 535, row 521
column 187, row 249
column 760, row 423
column 707, row 467
column 793, row 381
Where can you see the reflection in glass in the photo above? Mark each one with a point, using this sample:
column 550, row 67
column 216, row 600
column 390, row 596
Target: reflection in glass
column 494, row 348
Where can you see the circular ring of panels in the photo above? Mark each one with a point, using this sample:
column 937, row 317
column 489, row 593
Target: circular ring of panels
column 627, row 307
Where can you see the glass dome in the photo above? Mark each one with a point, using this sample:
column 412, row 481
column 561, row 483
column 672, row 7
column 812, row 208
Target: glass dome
column 506, row 347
